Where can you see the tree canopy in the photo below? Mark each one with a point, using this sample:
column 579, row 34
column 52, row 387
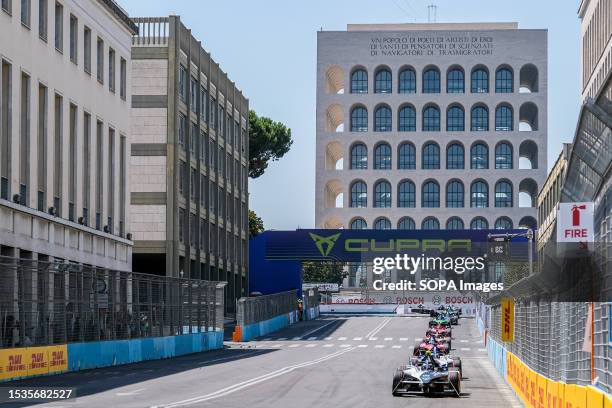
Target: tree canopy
column 268, row 141
column 323, row 272
column 256, row 224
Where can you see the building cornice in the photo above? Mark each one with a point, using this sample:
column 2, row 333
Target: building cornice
column 121, row 15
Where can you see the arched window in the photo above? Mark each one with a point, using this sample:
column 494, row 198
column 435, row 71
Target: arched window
column 407, row 81
column 479, row 156
column 479, row 194
column 431, row 81
column 455, row 81
column 454, row 223
column 503, row 194
column 503, row 156
column 406, row 158
column 503, row 119
column 431, row 195
column 430, row 223
column 358, row 224
column 479, row 223
column 359, row 195
column 454, row 194
column 407, row 119
column 431, row 156
column 431, row 119
column 455, row 157
column 503, row 223
column 382, row 194
column 359, row 81
column 382, row 119
column 406, row 194
column 406, row 223
column 359, row 157
column 504, row 81
column 382, row 223
column 359, row 119
column 455, row 119
column 480, row 119
column 480, row 81
column 382, row 81
column 382, row 157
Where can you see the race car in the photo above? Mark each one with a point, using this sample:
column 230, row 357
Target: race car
column 431, row 345
column 444, row 360
column 427, row 377
column 440, row 329
column 440, row 320
column 439, row 338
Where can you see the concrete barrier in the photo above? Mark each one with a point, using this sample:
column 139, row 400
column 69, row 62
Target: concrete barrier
column 83, row 356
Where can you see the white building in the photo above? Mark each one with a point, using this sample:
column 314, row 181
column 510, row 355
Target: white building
column 430, row 126
column 64, row 122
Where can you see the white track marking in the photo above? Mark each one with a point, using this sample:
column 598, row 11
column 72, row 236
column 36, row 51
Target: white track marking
column 362, row 346
column 253, row 381
column 378, row 328
column 379, row 346
column 294, row 345
column 328, row 345
column 397, row 346
column 357, row 338
column 465, row 349
column 305, row 335
column 388, row 338
column 311, row 345
column 482, row 349
column 403, row 338
column 341, row 338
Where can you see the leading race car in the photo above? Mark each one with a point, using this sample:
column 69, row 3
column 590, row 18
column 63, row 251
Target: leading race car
column 440, row 320
column 427, row 376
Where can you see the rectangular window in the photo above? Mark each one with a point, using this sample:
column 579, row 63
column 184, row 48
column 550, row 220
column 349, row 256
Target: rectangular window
column 57, row 154
column 122, row 183
column 74, row 38
column 203, row 143
column 72, row 134
column 111, row 70
column 221, row 124
column 221, row 161
column 202, row 233
column 182, row 83
column 24, row 143
column 42, row 146
column 59, row 27
column 26, row 10
column 213, row 156
column 204, row 104
column 42, row 19
column 212, row 197
column 86, row 165
column 229, row 130
column 6, row 6
column 123, row 78
column 182, row 129
column 193, row 95
column 192, row 229
column 182, row 175
column 193, row 185
column 203, row 192
column 111, row 179
column 6, row 96
column 193, row 139
column 181, row 231
column 99, row 172
column 87, row 50
column 100, row 60
column 213, row 112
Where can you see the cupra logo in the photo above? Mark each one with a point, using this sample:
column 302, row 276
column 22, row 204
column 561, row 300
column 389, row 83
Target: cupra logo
column 324, row 244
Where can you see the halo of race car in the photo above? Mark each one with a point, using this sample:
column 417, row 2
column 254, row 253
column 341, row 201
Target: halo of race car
column 432, row 368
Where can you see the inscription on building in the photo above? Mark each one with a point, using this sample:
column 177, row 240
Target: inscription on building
column 431, row 45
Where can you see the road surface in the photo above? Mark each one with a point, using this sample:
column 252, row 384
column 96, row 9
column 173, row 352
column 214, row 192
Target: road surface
column 335, row 361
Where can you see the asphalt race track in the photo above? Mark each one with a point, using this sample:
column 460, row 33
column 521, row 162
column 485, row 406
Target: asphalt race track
column 339, row 361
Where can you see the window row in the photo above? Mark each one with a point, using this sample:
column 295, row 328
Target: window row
column 194, row 93
column 431, row 194
column 69, row 140
column 431, row 118
column 430, row 156
column 430, row 80
column 105, row 55
column 432, row 223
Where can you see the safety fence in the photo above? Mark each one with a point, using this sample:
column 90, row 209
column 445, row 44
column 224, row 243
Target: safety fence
column 44, row 303
column 551, row 354
column 256, row 316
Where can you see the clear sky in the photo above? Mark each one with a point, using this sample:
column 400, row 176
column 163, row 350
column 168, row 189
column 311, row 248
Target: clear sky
column 268, row 47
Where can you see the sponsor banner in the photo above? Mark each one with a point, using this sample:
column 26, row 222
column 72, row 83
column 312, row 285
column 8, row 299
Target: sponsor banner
column 323, row 287
column 411, row 300
column 507, row 327
column 30, row 361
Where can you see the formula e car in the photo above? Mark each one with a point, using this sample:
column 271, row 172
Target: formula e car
column 440, row 329
column 440, row 320
column 426, row 377
column 431, row 345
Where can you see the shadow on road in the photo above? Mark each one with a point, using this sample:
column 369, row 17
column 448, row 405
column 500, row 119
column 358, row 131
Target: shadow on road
column 125, row 375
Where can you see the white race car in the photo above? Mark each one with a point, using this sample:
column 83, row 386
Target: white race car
column 426, row 377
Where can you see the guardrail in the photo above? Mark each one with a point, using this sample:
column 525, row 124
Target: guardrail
column 256, row 316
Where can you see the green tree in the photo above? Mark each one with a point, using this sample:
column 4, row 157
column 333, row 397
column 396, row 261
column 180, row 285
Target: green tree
column 323, row 272
column 268, row 141
column 256, row 224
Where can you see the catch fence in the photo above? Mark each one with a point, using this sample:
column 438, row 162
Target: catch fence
column 43, row 303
